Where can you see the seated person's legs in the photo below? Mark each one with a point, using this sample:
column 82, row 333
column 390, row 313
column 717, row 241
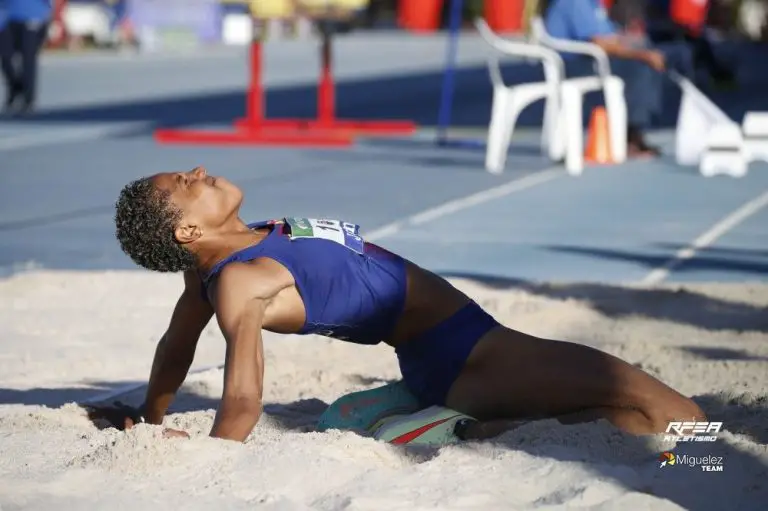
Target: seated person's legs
column 701, row 54
column 633, row 60
column 704, row 57
column 678, row 57
column 642, row 90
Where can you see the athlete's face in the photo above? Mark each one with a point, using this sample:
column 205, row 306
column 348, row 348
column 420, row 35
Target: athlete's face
column 206, row 202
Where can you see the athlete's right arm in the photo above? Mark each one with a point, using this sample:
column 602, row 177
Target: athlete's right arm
column 176, row 349
column 242, row 298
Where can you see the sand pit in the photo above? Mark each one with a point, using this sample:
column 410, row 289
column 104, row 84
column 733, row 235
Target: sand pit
column 67, row 337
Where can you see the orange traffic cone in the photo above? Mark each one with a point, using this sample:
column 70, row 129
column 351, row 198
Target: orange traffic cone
column 598, row 148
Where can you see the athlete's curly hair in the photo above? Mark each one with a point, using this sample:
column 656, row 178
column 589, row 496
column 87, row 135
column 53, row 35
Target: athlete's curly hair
column 145, row 220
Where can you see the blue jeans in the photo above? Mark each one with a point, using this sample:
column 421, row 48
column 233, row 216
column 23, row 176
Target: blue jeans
column 643, row 86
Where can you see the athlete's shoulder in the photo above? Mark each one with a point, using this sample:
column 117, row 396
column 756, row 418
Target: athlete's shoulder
column 259, row 278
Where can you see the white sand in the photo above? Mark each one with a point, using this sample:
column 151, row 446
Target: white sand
column 66, row 337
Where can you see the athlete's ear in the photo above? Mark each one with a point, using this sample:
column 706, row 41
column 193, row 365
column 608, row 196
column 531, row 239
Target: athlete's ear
column 187, row 233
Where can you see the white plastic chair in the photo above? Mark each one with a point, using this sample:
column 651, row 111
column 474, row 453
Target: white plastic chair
column 755, row 130
column 725, row 152
column 706, row 136
column 573, row 91
column 510, row 101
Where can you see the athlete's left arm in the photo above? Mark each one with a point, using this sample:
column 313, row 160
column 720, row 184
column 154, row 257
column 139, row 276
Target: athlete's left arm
column 242, row 295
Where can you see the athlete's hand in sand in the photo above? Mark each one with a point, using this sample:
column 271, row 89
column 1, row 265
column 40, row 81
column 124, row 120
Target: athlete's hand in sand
column 174, row 433
column 123, row 417
column 118, row 415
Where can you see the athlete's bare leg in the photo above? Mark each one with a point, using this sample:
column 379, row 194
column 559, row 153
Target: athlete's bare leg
column 511, row 375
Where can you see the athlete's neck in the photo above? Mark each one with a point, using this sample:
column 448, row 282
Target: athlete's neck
column 225, row 243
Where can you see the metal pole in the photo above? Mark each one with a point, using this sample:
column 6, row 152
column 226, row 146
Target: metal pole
column 449, row 75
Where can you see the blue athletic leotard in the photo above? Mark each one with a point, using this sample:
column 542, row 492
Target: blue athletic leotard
column 355, row 291
column 352, row 290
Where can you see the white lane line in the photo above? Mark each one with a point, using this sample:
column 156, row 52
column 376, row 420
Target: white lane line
column 427, row 215
column 64, row 135
column 465, row 202
column 707, row 238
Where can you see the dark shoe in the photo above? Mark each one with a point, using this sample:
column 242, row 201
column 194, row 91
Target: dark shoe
column 637, row 147
column 642, row 151
column 9, row 103
column 25, row 109
column 11, row 99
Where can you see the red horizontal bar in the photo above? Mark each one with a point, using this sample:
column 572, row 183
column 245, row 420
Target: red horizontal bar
column 356, row 127
column 302, row 138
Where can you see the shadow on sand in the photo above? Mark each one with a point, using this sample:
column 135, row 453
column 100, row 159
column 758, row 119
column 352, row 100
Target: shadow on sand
column 630, row 461
column 668, row 304
column 633, row 462
column 301, row 415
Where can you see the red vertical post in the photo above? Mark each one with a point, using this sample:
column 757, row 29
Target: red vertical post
column 255, row 103
column 326, row 95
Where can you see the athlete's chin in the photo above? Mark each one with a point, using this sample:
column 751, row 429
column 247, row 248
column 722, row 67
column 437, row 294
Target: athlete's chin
column 223, row 181
column 225, row 185
column 234, row 196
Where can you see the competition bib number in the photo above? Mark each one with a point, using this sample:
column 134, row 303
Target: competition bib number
column 344, row 233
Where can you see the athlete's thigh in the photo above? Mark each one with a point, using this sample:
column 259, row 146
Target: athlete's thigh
column 513, row 375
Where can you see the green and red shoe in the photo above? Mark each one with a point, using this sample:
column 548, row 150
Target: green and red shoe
column 392, row 414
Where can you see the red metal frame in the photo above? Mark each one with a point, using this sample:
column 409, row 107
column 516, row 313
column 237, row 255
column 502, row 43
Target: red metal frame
column 255, row 129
